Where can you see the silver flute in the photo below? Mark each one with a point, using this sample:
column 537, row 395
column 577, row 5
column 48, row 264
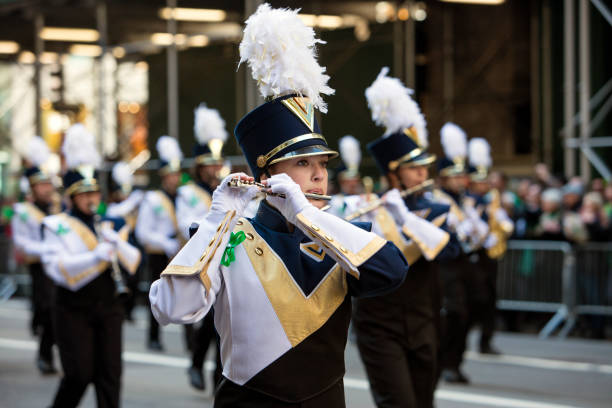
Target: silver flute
column 236, row 182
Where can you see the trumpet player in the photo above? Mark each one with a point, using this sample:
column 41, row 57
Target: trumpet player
column 487, row 202
column 281, row 282
column 26, row 226
column 157, row 228
column 192, row 203
column 81, row 256
column 397, row 334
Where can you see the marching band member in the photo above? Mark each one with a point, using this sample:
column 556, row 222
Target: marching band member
column 193, row 202
column 471, row 231
column 82, row 256
column 157, row 228
column 487, row 201
column 280, row 282
column 124, row 202
column 27, row 236
column 348, row 177
column 397, row 333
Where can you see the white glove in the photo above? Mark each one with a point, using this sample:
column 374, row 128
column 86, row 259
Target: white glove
column 452, row 220
column 226, row 198
column 502, row 215
column 396, row 206
column 491, row 241
column 110, row 235
column 482, row 229
column 105, row 251
column 171, row 247
column 465, row 228
column 295, row 201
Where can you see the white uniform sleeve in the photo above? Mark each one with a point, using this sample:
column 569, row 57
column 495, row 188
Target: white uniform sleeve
column 144, row 230
column 346, row 243
column 189, row 285
column 22, row 237
column 72, row 271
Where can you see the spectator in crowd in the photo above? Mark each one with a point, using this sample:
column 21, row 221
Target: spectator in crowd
column 594, row 217
column 549, row 223
column 607, row 196
column 572, row 195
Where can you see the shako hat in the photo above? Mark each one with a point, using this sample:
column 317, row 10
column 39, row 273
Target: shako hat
column 454, row 145
column 210, row 134
column 280, row 50
column 82, row 160
column 404, row 142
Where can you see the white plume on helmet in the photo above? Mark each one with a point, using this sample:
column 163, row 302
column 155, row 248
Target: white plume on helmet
column 168, row 149
column 350, row 152
column 454, row 141
column 208, row 125
column 79, row 147
column 479, row 152
column 122, row 174
column 37, row 151
column 280, row 50
column 391, row 105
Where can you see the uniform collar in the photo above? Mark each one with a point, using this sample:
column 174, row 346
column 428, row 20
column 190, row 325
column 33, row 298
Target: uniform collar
column 84, row 218
column 44, row 207
column 271, row 218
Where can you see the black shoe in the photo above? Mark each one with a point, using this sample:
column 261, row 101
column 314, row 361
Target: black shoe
column 155, row 345
column 488, row 349
column 196, row 379
column 454, row 376
column 45, row 367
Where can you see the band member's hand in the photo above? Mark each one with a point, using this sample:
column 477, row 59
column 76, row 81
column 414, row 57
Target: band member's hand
column 105, row 251
column 294, row 202
column 110, row 235
column 396, row 206
column 491, row 241
column 171, row 247
column 226, row 198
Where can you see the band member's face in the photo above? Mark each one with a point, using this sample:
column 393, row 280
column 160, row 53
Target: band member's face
column 412, row 176
column 350, row 186
column 456, row 184
column 209, row 174
column 170, row 182
column 479, row 187
column 43, row 192
column 309, row 172
column 87, row 203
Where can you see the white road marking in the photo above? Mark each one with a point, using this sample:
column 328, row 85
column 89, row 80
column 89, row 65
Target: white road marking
column 542, row 363
column 354, row 383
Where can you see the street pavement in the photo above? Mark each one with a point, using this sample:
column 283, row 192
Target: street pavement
column 532, row 373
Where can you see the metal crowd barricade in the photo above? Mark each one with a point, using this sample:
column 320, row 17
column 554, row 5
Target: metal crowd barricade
column 534, row 276
column 556, row 277
column 593, row 282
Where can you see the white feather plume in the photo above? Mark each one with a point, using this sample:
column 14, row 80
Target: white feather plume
column 24, row 185
column 350, row 151
column 390, row 103
column 169, row 149
column 208, row 125
column 420, row 124
column 280, row 49
column 479, row 152
column 37, row 152
column 79, row 147
column 122, row 174
column 454, row 141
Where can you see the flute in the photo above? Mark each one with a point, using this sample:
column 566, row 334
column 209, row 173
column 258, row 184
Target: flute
column 236, row 182
column 377, row 203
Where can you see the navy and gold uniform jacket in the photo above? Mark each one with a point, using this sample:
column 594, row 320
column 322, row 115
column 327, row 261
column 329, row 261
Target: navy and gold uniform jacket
column 282, row 307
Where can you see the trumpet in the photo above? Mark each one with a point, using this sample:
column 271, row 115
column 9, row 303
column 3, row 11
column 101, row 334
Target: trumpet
column 377, row 203
column 236, row 182
column 121, row 289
